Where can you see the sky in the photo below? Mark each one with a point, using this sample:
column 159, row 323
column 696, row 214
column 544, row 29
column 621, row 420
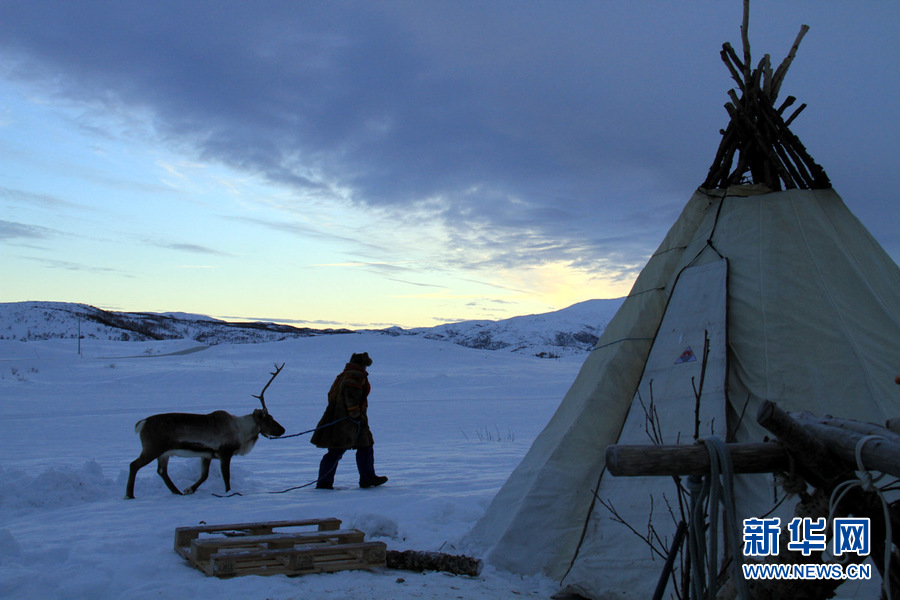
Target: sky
column 411, row 163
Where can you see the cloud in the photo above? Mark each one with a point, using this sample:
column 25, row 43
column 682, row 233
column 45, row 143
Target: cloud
column 300, row 322
column 527, row 134
column 310, row 232
column 376, row 102
column 10, row 230
column 388, row 271
column 74, row 266
column 34, row 199
column 418, row 284
column 191, row 248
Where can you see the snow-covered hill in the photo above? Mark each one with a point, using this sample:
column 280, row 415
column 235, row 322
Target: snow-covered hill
column 33, row 321
column 572, row 330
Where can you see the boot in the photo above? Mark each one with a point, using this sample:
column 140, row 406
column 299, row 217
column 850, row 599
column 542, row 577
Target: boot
column 373, row 481
column 327, row 467
column 365, row 463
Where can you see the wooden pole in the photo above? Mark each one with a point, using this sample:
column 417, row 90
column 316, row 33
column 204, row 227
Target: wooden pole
column 624, row 460
column 814, row 459
column 879, row 453
column 813, row 438
column 745, row 41
column 680, row 531
column 781, row 71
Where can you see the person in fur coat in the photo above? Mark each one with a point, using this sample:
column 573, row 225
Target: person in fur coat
column 345, row 425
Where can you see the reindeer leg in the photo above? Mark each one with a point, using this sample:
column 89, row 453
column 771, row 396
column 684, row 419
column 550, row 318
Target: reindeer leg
column 162, row 464
column 204, row 473
column 136, row 465
column 225, row 461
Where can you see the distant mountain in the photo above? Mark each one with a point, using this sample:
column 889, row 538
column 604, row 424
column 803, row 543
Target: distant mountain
column 573, row 330
column 48, row 320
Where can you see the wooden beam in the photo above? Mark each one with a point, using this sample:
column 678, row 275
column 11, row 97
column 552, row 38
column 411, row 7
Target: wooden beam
column 814, row 458
column 625, row 460
column 881, row 454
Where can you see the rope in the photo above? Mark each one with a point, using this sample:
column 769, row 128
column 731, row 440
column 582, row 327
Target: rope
column 316, row 480
column 284, row 437
column 717, row 487
column 290, row 489
column 866, row 482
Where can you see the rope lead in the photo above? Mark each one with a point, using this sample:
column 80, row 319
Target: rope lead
column 284, row 437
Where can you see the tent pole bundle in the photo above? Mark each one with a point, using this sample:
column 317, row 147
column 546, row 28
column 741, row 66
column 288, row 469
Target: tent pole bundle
column 758, row 132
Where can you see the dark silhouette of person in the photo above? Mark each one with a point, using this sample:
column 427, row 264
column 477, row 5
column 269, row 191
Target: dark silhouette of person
column 345, row 425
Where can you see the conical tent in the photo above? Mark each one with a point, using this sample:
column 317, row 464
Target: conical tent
column 762, row 293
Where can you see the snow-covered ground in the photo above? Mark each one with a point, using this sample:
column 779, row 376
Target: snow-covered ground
column 450, row 423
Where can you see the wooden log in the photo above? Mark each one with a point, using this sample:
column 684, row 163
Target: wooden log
column 718, row 171
column 826, row 452
column 793, row 165
column 742, row 145
column 745, row 40
column 882, row 454
column 814, row 459
column 734, row 58
column 817, row 173
column 770, row 122
column 625, row 460
column 414, row 560
column 893, row 424
column 789, row 101
column 726, row 165
column 858, row 426
column 765, row 67
column 794, row 115
column 783, row 140
column 758, row 143
column 730, row 59
column 781, row 71
column 767, row 155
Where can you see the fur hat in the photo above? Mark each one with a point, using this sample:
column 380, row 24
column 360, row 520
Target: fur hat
column 362, row 360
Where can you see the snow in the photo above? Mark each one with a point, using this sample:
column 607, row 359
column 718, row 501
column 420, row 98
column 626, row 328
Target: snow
column 570, row 331
column 567, row 332
column 450, row 423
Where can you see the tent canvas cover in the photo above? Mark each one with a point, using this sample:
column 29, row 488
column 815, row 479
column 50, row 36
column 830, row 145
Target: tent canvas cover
column 768, row 294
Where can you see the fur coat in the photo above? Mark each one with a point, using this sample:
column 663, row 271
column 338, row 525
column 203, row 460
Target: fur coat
column 347, row 404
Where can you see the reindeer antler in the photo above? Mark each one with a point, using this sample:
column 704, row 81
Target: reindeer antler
column 271, row 379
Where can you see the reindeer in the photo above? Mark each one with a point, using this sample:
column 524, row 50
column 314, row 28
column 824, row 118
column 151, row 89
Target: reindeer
column 216, row 435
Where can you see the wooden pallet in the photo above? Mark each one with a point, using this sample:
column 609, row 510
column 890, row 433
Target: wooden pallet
column 312, row 546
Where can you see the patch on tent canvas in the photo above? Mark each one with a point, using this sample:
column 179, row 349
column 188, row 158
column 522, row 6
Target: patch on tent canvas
column 686, row 356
